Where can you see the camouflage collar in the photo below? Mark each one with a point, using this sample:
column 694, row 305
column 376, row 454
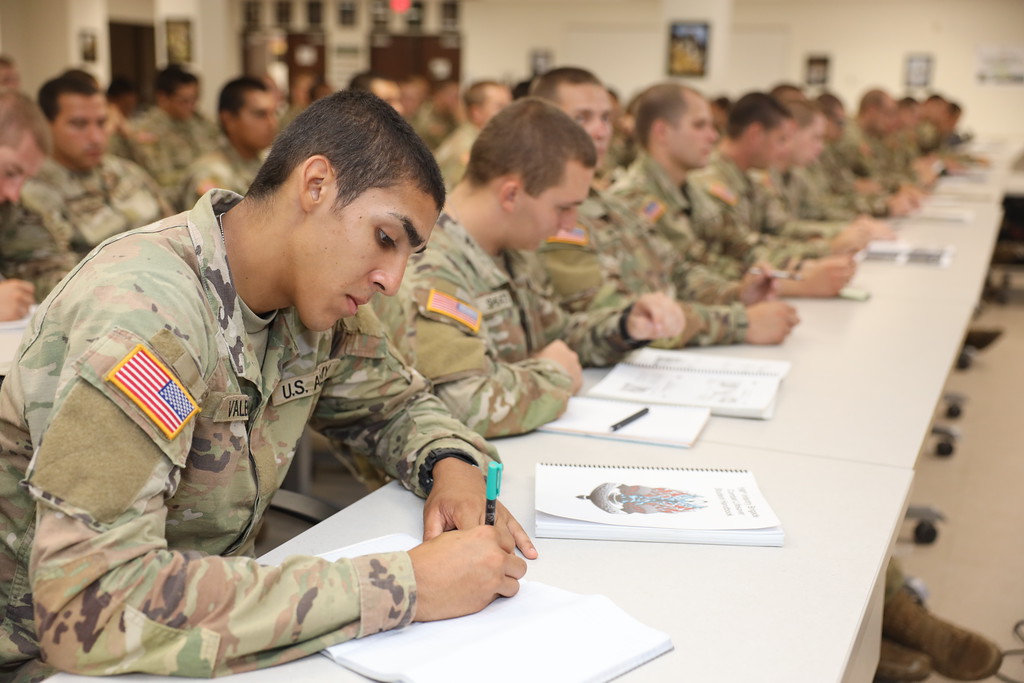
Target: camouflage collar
column 205, row 231
column 730, row 173
column 490, row 270
column 660, row 182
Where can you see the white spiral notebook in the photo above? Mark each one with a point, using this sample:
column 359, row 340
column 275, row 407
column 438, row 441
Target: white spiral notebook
column 677, row 505
column 730, row 387
column 542, row 633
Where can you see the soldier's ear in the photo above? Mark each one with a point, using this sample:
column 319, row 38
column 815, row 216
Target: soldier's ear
column 510, row 188
column 316, row 173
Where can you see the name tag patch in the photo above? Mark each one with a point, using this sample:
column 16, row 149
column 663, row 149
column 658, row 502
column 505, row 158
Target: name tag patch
column 494, row 302
column 303, row 385
column 232, row 408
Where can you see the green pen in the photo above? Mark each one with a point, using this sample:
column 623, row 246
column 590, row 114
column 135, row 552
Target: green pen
column 493, row 489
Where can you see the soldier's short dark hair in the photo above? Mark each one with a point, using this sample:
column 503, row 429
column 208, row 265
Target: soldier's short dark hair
column 755, row 107
column 120, row 85
column 664, row 101
column 873, row 99
column 363, row 81
column 19, row 115
column 232, row 95
column 803, row 111
column 49, row 94
column 368, row 144
column 532, row 139
column 521, row 89
column 907, row 102
column 546, row 85
column 784, row 92
column 831, row 105
column 173, row 77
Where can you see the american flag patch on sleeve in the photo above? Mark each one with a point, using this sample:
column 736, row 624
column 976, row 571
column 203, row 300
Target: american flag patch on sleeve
column 653, row 210
column 448, row 305
column 574, row 235
column 148, row 383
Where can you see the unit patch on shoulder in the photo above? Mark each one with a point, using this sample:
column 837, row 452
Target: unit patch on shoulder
column 576, row 235
column 722, row 192
column 448, row 305
column 653, row 210
column 152, row 387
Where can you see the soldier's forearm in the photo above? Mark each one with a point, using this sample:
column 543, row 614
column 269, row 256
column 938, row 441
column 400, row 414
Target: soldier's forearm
column 513, row 399
column 119, row 601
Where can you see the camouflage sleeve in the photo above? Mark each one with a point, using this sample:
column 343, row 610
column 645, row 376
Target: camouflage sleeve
column 711, row 326
column 35, row 246
column 492, row 396
column 595, row 334
column 707, row 277
column 110, row 597
column 578, row 278
column 375, row 403
column 200, row 177
column 582, row 284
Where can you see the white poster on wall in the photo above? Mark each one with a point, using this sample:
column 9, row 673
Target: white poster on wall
column 1000, row 64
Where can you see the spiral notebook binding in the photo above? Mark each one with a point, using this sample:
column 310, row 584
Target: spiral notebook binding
column 645, row 467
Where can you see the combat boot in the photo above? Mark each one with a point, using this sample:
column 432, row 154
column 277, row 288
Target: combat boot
column 955, row 653
column 898, row 663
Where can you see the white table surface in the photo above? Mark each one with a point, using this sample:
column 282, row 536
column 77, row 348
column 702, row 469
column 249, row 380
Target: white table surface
column 793, row 614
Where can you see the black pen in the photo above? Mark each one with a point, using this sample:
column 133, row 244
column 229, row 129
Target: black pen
column 632, row 418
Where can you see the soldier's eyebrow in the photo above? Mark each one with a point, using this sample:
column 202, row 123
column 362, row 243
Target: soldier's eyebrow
column 415, row 239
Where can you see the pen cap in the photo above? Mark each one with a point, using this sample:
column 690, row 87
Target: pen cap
column 494, row 480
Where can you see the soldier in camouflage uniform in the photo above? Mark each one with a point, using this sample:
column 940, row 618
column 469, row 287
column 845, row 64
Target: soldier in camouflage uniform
column 172, row 135
column 865, row 146
column 248, row 120
column 802, row 210
column 611, row 255
column 739, row 180
column 843, row 188
column 80, row 197
column 479, row 317
column 24, row 142
column 158, row 398
column 670, row 119
column 482, row 101
column 439, row 116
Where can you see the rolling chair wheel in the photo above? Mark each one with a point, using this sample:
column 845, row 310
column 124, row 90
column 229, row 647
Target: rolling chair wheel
column 944, row 448
column 925, row 532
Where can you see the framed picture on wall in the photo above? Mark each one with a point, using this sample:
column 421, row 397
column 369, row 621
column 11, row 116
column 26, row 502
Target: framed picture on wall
column 918, row 71
column 688, row 48
column 179, row 41
column 817, row 70
column 87, row 45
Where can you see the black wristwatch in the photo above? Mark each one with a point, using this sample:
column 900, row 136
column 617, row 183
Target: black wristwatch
column 427, row 470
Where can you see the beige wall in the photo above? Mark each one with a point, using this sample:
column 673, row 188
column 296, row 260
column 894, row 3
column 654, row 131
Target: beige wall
column 868, row 42
column 753, row 42
column 624, row 42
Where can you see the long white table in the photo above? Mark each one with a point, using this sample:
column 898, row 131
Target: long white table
column 836, row 464
column 798, row 613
